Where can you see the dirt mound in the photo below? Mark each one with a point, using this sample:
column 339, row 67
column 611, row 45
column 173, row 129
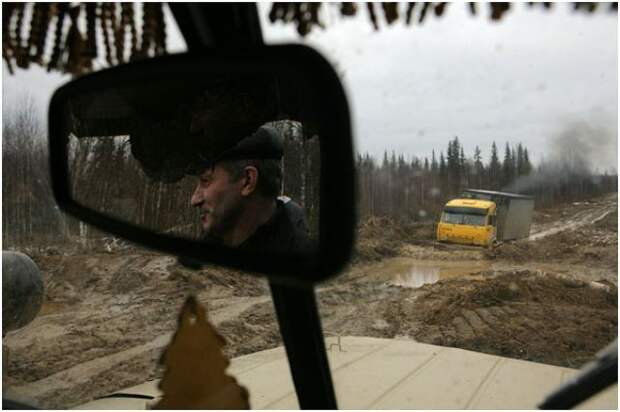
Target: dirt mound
column 380, row 237
column 535, row 317
column 517, row 287
column 518, row 314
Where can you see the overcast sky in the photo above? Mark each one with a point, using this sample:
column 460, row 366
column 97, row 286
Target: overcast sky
column 528, row 79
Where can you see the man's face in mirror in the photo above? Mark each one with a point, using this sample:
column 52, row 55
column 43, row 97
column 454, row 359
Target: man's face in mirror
column 220, row 199
column 238, row 198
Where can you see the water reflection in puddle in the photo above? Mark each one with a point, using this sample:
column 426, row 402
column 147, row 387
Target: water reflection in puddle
column 417, row 277
column 415, row 273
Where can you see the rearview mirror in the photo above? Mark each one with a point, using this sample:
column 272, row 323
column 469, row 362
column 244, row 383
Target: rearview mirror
column 242, row 158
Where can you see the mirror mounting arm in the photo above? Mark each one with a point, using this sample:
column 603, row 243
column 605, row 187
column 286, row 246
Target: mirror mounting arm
column 300, row 327
column 218, row 24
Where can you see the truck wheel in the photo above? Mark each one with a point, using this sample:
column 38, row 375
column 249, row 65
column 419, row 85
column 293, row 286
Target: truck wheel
column 22, row 290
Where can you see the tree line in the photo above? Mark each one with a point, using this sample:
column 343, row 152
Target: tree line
column 104, row 176
column 28, row 207
column 416, row 189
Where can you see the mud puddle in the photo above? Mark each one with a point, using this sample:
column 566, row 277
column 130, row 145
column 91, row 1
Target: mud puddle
column 413, row 273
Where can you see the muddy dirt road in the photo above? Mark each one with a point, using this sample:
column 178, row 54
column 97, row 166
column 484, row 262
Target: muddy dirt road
column 551, row 298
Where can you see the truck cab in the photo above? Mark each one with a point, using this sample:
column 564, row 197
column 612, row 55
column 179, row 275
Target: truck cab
column 468, row 221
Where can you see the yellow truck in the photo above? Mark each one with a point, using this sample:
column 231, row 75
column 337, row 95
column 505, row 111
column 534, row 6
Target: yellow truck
column 483, row 217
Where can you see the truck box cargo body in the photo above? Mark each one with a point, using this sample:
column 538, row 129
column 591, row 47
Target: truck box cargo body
column 514, row 212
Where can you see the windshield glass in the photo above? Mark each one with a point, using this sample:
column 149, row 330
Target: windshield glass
column 463, row 219
column 107, row 308
column 444, row 101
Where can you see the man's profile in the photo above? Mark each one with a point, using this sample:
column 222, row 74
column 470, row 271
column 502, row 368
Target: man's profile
column 237, row 195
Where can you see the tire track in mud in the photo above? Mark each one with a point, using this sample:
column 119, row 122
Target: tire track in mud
column 478, row 322
column 521, row 314
column 580, row 219
column 542, row 318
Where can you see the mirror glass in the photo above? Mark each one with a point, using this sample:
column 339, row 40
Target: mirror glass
column 224, row 159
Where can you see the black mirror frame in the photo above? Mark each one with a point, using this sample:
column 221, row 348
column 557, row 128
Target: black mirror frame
column 337, row 203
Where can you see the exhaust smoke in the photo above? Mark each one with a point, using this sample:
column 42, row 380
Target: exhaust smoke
column 581, row 149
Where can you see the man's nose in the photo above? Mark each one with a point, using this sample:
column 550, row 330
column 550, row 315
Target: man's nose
column 197, row 198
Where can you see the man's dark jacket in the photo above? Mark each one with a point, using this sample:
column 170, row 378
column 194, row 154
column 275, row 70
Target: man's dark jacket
column 286, row 231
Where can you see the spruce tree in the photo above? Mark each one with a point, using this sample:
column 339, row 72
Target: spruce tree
column 507, row 167
column 527, row 166
column 463, row 173
column 434, row 165
column 494, row 168
column 478, row 167
column 520, row 163
column 454, row 172
column 443, row 173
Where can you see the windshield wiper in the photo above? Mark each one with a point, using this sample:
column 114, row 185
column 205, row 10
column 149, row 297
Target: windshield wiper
column 594, row 377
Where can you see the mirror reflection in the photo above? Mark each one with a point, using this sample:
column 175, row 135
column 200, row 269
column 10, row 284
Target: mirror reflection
column 223, row 163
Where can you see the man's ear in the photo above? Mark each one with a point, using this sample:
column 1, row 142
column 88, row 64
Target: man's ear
column 250, row 180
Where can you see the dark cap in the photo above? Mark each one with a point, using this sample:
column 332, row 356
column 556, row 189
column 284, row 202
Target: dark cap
column 264, row 143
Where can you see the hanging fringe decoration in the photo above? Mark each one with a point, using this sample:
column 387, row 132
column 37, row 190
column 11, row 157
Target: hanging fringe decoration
column 423, row 12
column 409, row 13
column 105, row 20
column 91, row 31
column 348, row 9
column 498, row 9
column 20, row 51
column 119, row 34
column 390, row 11
column 54, row 63
column 372, row 15
column 283, row 12
column 472, row 8
column 160, row 30
column 77, row 62
column 76, row 53
column 8, row 51
column 304, row 15
column 36, row 40
column 440, row 8
column 148, row 29
column 127, row 19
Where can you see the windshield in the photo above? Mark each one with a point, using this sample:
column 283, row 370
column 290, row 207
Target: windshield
column 443, row 100
column 463, row 218
column 107, row 308
column 445, row 104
